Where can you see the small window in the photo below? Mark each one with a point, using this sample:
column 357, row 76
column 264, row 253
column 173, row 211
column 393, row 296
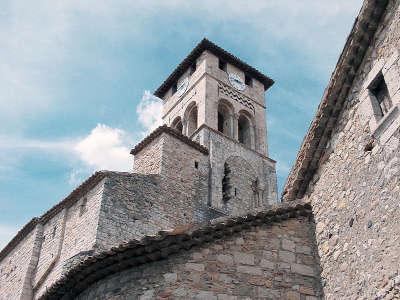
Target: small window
column 83, row 207
column 174, row 88
column 196, row 164
column 192, row 68
column 222, row 65
column 248, row 80
column 53, row 234
column 380, row 91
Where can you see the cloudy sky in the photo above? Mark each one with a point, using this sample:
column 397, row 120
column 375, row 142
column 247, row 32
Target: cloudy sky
column 76, row 80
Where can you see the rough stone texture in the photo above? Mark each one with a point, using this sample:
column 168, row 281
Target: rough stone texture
column 232, row 268
column 14, row 267
column 355, row 193
column 148, row 161
column 243, row 160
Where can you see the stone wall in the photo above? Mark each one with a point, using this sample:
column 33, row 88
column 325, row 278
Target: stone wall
column 263, row 262
column 135, row 205
column 70, row 233
column 241, row 178
column 222, row 148
column 148, row 161
column 355, row 194
column 14, row 268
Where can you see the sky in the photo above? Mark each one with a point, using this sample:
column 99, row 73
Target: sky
column 76, row 81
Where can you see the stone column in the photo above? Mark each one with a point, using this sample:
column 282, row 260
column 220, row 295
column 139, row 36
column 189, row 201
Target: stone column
column 235, row 118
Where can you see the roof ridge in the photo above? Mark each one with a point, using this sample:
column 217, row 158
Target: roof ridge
column 166, row 129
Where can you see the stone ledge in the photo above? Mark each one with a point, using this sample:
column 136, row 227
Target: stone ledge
column 162, row 245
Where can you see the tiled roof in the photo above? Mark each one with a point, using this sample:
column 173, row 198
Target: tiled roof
column 320, row 130
column 221, row 53
column 163, row 244
column 165, row 129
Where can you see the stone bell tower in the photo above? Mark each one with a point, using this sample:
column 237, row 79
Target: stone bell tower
column 217, row 100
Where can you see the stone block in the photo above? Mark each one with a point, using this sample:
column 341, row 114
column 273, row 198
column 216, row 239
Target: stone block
column 302, row 269
column 195, row 267
column 250, row 270
column 287, row 256
column 288, row 245
column 244, row 258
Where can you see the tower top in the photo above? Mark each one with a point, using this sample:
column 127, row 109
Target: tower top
column 206, row 44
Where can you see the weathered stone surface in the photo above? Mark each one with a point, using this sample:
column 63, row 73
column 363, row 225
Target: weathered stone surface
column 223, row 270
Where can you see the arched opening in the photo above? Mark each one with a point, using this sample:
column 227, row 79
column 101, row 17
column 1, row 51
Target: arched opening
column 224, row 119
column 244, row 130
column 192, row 120
column 177, row 124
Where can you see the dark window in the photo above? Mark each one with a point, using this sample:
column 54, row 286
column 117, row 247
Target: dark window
column 83, row 207
column 53, row 234
column 192, row 68
column 196, row 164
column 226, row 184
column 247, row 80
column 174, row 88
column 379, row 89
column 220, row 122
column 222, row 64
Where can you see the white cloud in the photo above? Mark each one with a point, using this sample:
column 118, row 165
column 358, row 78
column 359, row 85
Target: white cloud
column 7, row 232
column 149, row 111
column 105, row 148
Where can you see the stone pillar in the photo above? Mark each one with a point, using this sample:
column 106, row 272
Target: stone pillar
column 235, row 126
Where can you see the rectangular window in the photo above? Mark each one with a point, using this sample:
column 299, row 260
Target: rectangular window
column 196, row 164
column 248, row 80
column 222, row 64
column 174, row 88
column 83, row 207
column 380, row 91
column 192, row 68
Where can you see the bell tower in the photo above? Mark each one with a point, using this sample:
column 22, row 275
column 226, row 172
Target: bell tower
column 218, row 100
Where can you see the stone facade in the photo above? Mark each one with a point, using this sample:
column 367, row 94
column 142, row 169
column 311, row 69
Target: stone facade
column 194, row 220
column 264, row 262
column 355, row 190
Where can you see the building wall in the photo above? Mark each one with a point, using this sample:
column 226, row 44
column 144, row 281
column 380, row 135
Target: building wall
column 265, row 262
column 355, row 194
column 221, row 149
column 148, row 161
column 75, row 234
column 135, row 205
column 14, row 268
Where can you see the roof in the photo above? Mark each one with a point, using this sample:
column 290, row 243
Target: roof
column 314, row 143
column 165, row 243
column 205, row 44
column 165, row 129
column 74, row 196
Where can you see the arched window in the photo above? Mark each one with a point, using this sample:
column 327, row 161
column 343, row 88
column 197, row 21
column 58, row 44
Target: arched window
column 177, row 124
column 191, row 120
column 225, row 118
column 244, row 130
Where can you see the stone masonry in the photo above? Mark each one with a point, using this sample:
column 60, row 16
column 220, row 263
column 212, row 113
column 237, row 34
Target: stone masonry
column 198, row 219
column 355, row 190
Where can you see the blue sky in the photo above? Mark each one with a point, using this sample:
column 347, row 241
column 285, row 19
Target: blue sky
column 76, row 75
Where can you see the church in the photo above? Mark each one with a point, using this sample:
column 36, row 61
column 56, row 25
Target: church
column 199, row 216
